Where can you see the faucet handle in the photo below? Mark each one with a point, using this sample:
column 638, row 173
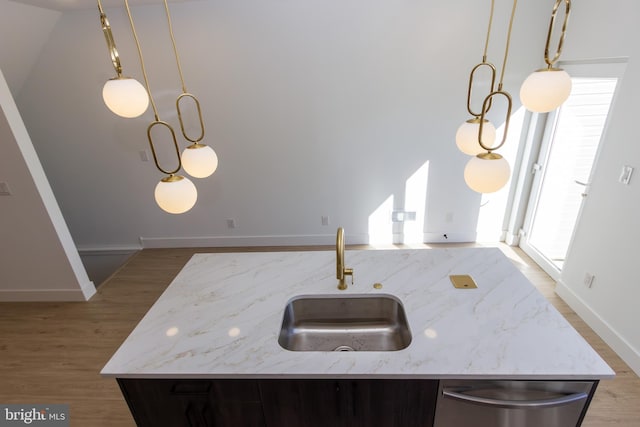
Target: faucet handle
column 349, row 272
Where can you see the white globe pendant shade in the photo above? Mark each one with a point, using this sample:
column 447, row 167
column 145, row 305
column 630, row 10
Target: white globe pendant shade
column 176, row 194
column 487, row 172
column 545, row 90
column 125, row 96
column 199, row 160
column 467, row 136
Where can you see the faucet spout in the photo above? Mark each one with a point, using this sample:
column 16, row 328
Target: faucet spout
column 341, row 270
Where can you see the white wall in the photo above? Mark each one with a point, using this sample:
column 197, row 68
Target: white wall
column 39, row 259
column 314, row 108
column 606, row 240
column 24, row 30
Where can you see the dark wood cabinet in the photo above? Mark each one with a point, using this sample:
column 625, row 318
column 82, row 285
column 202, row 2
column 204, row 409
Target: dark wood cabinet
column 349, row 403
column 193, row 403
column 281, row 402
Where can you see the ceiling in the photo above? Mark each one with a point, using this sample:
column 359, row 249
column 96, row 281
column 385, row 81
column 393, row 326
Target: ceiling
column 88, row 4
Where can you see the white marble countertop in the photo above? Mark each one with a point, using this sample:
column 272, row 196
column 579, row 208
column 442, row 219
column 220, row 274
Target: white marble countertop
column 221, row 317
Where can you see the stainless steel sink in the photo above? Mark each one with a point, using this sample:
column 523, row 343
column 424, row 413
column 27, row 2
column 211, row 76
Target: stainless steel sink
column 344, row 323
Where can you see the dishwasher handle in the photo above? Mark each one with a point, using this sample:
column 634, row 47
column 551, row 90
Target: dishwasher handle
column 515, row 404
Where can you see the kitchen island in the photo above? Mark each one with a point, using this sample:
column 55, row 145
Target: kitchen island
column 221, row 316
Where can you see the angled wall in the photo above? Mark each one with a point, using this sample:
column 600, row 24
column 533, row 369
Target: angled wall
column 39, row 260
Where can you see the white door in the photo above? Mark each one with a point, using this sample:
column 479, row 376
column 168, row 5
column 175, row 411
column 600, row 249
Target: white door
column 568, row 151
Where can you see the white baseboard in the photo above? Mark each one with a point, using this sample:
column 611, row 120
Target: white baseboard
column 619, row 344
column 450, row 237
column 50, row 295
column 88, row 290
column 100, row 262
column 242, row 241
column 107, row 250
column 512, row 239
column 298, row 240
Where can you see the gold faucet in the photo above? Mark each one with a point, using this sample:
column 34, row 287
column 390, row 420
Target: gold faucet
column 341, row 270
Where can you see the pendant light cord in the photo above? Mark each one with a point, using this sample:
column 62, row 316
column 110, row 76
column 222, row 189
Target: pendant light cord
column 144, row 69
column 484, row 63
column 506, row 49
column 185, row 94
column 486, row 43
column 489, row 99
column 175, row 49
column 157, row 121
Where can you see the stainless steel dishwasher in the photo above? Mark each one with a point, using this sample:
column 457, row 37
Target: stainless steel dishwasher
column 486, row 403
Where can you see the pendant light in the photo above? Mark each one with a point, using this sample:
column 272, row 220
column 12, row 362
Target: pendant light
column 467, row 133
column 488, row 172
column 174, row 193
column 198, row 160
column 124, row 96
column 546, row 89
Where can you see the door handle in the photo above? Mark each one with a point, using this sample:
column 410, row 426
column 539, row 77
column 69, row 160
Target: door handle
column 515, row 404
column 585, row 185
column 190, row 388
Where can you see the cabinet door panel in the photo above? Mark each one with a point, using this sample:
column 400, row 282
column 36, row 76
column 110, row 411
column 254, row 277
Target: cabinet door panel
column 301, row 403
column 349, row 403
column 393, row 403
column 154, row 402
column 198, row 413
column 193, row 403
column 238, row 414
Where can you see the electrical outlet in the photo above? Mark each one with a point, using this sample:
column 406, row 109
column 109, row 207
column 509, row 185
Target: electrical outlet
column 402, row 216
column 625, row 175
column 588, row 280
column 231, row 223
column 4, row 189
column 397, row 216
column 324, row 219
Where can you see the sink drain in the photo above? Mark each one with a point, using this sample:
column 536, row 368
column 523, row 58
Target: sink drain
column 343, row 348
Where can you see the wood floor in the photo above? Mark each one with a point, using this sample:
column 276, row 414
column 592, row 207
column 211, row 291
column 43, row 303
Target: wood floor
column 53, row 352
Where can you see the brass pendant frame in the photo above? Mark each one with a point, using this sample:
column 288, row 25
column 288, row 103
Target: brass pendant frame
column 182, row 127
column 492, row 69
column 563, row 32
column 111, row 43
column 153, row 148
column 485, row 108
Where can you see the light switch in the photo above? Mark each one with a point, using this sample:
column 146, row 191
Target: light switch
column 4, row 189
column 625, row 175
